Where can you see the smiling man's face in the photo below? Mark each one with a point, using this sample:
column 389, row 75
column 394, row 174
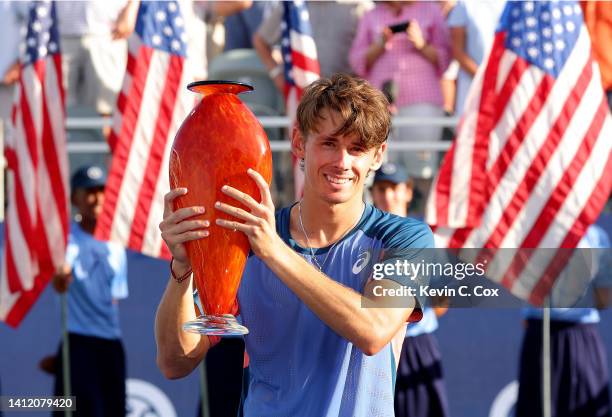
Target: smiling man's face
column 336, row 166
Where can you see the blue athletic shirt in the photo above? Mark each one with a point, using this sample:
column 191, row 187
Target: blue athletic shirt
column 99, row 272
column 299, row 367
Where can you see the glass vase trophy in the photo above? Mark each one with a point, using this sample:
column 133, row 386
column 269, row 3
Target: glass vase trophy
column 218, row 141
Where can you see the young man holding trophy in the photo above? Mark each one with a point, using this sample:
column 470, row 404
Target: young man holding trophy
column 321, row 341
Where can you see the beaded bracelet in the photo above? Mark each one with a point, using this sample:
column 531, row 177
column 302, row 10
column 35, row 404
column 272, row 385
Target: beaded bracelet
column 182, row 277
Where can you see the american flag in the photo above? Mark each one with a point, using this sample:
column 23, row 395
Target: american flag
column 301, row 66
column 531, row 165
column 36, row 227
column 150, row 108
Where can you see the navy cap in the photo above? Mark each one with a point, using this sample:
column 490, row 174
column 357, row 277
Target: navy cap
column 391, row 172
column 88, row 176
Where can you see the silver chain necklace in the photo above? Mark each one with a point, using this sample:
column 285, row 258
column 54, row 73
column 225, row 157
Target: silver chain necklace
column 312, row 254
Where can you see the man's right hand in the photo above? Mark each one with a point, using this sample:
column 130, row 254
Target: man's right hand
column 178, row 352
column 62, row 278
column 177, row 228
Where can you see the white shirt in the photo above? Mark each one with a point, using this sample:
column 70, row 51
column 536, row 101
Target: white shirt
column 90, row 17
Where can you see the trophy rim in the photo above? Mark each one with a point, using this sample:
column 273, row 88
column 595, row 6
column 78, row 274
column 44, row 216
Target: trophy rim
column 192, row 85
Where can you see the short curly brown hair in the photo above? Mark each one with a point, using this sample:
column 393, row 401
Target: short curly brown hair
column 363, row 109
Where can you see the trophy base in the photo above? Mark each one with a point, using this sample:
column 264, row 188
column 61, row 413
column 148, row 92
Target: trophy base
column 216, row 325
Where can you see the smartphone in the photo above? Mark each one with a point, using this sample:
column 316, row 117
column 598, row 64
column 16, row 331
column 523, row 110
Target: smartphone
column 400, row 27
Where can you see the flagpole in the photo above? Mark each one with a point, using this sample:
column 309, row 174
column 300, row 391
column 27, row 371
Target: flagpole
column 204, row 387
column 546, row 366
column 65, row 350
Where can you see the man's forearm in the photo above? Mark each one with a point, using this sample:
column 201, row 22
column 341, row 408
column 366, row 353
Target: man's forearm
column 178, row 352
column 467, row 63
column 458, row 37
column 374, row 52
column 430, row 53
column 340, row 307
column 264, row 51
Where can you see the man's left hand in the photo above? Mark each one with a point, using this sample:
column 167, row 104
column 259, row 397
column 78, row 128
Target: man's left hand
column 258, row 224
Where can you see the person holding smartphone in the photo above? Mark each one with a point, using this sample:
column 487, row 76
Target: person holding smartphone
column 408, row 43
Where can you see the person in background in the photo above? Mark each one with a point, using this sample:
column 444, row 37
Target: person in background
column 94, row 50
column 242, row 19
column 580, row 383
column 95, row 278
column 333, row 26
column 472, row 28
column 419, row 388
column 598, row 20
column 406, row 42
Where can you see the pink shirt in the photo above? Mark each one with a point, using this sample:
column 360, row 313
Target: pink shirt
column 418, row 80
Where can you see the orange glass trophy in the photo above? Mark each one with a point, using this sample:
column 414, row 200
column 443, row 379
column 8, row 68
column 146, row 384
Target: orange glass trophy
column 215, row 145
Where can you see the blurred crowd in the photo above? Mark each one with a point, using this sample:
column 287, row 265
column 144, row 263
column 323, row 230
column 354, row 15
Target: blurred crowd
column 423, row 55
